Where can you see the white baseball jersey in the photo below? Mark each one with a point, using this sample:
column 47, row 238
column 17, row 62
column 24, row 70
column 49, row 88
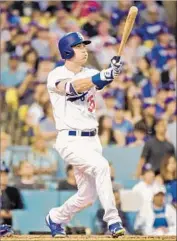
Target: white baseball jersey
column 91, row 169
column 72, row 113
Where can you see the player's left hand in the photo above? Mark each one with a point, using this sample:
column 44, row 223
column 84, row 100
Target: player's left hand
column 116, row 65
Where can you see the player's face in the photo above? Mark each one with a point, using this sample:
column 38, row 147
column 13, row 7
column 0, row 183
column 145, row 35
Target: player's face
column 81, row 54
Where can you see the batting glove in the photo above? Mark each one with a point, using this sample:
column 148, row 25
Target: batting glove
column 103, row 78
column 116, row 65
column 107, row 74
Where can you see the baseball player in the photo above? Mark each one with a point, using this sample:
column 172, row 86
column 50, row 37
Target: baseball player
column 72, row 89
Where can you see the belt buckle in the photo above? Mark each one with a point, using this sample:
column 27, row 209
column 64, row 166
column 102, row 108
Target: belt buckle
column 79, row 133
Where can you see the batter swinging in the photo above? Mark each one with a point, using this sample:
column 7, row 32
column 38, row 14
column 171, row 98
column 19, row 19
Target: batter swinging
column 72, row 89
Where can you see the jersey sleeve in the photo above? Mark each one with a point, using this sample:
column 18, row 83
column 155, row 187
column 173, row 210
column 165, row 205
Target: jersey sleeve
column 53, row 79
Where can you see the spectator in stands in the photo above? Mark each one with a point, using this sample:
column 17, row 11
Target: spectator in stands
column 36, row 111
column 31, row 60
column 101, row 225
column 47, row 125
column 6, row 155
column 163, row 50
column 82, row 9
column 25, row 8
column 44, row 67
column 116, row 186
column 170, row 110
column 26, row 89
column 21, row 40
column 120, row 12
column 156, row 148
column 148, row 113
column 4, row 18
column 70, row 182
column 168, row 172
column 91, row 25
column 135, row 107
column 156, row 217
column 41, row 42
column 150, row 87
column 59, row 27
column 118, row 88
column 10, row 197
column 152, row 27
column 171, row 133
column 105, row 131
column 12, row 76
column 16, row 42
column 143, row 6
column 4, row 57
column 110, row 103
column 27, row 129
column 121, row 127
column 142, row 71
column 134, row 49
column 119, row 31
column 147, row 185
column 32, row 30
column 102, row 44
column 139, row 135
column 44, row 159
column 160, row 103
column 27, row 179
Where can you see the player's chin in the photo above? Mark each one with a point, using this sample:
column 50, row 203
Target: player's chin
column 84, row 60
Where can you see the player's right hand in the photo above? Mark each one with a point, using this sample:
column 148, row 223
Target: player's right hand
column 116, row 65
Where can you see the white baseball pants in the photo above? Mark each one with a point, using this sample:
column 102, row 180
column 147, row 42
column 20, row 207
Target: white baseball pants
column 92, row 175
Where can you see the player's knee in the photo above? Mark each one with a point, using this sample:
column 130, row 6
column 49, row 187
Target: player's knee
column 86, row 201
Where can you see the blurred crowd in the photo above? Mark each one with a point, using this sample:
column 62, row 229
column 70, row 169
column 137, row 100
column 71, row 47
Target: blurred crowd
column 137, row 109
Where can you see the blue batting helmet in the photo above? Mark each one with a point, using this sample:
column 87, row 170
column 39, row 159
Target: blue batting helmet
column 68, row 41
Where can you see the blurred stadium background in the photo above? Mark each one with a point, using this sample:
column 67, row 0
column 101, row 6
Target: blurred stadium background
column 136, row 113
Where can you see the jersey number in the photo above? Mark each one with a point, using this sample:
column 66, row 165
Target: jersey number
column 91, row 103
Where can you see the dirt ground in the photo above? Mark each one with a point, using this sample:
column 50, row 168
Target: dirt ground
column 86, row 237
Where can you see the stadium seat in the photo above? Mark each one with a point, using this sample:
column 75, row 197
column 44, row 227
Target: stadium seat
column 43, row 199
column 37, row 205
column 130, row 204
column 19, row 153
column 124, row 161
column 27, row 221
column 136, row 200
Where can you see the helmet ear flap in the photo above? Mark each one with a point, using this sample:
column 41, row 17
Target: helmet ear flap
column 69, row 53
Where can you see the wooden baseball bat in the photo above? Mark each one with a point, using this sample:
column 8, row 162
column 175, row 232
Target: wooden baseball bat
column 128, row 27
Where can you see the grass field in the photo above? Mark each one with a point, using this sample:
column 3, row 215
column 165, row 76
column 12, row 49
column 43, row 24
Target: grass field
column 87, row 238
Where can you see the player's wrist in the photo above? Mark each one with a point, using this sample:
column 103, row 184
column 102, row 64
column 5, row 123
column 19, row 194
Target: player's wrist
column 103, row 78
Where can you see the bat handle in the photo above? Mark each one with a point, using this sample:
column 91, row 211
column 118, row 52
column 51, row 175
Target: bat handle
column 118, row 58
